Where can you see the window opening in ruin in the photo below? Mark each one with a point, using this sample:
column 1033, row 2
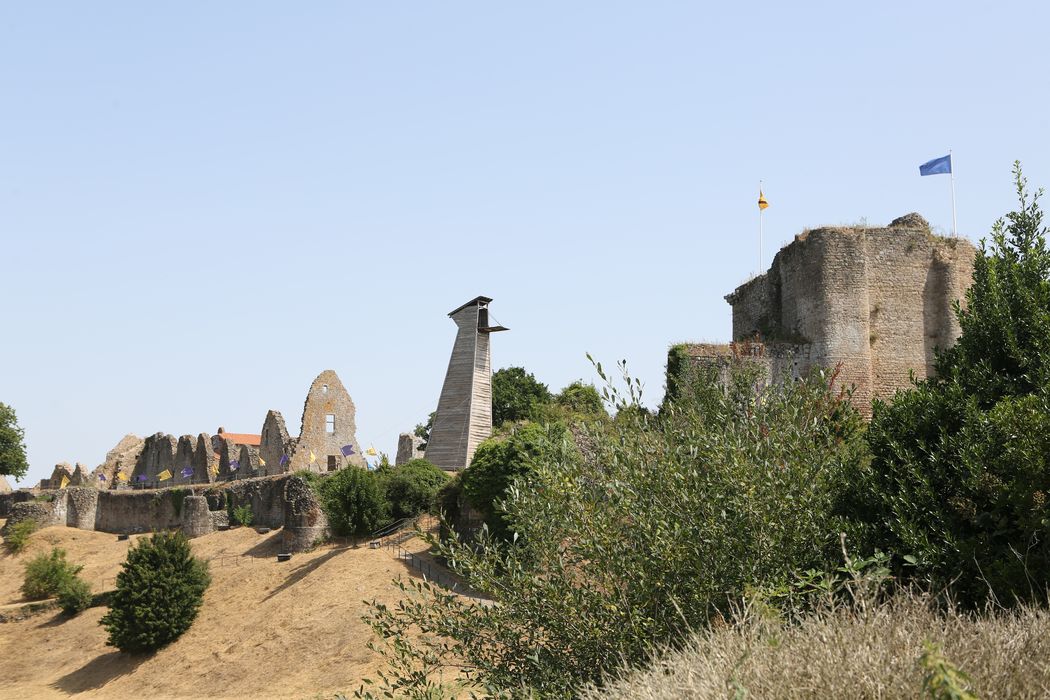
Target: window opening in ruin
column 324, row 388
column 331, row 463
column 329, row 423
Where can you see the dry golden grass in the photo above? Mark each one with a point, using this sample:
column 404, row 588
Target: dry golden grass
column 266, row 630
column 850, row 653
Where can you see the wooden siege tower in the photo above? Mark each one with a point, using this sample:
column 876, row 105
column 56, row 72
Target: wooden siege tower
column 464, row 412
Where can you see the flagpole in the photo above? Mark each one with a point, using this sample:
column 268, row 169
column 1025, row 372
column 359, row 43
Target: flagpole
column 759, row 271
column 955, row 229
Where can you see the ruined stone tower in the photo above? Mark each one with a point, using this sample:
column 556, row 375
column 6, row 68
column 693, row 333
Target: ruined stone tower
column 328, row 425
column 874, row 302
column 464, row 413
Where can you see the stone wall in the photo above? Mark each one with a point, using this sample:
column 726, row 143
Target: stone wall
column 408, row 448
column 272, row 499
column 874, row 301
column 275, row 446
column 321, row 438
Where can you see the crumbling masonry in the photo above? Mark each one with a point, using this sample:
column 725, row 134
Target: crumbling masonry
column 875, row 302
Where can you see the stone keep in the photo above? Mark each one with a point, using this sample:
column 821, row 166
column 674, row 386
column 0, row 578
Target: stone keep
column 876, row 302
column 328, row 424
column 464, row 413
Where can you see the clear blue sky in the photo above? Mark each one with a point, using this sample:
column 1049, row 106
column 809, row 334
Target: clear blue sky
column 203, row 205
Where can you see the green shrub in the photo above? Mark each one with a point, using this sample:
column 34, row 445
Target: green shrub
column 501, row 460
column 74, row 595
column 659, row 526
column 46, row 574
column 242, row 515
column 353, row 501
column 159, row 592
column 17, row 537
column 961, row 462
column 412, row 488
column 582, row 399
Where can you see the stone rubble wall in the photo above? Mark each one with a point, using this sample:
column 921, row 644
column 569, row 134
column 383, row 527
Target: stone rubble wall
column 283, row 501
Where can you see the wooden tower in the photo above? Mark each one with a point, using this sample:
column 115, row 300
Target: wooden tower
column 464, row 412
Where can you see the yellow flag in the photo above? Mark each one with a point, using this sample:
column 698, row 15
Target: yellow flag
column 164, row 475
column 262, row 462
column 762, row 203
column 214, row 470
column 121, row 476
column 313, row 457
column 65, row 482
column 371, row 452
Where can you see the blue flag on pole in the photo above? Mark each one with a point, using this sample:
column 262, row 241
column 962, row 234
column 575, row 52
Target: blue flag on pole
column 937, row 166
column 234, row 465
column 347, row 450
column 283, row 460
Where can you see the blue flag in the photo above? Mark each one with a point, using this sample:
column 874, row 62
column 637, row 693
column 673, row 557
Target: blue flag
column 101, row 477
column 186, row 473
column 937, row 166
column 283, row 460
column 142, row 477
column 347, row 450
column 234, row 465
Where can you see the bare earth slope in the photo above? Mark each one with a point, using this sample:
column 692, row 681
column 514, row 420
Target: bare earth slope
column 266, row 630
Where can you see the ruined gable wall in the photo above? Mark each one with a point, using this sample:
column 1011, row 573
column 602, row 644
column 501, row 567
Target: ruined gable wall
column 320, row 402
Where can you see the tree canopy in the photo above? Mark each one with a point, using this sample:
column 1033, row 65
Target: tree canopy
column 12, row 444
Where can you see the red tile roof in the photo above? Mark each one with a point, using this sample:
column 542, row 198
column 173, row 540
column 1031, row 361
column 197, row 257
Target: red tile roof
column 243, row 438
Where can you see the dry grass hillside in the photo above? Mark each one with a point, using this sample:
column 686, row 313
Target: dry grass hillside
column 266, row 630
column 873, row 651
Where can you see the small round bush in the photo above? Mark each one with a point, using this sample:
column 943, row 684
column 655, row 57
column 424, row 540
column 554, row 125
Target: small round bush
column 47, row 573
column 74, row 596
column 412, row 488
column 159, row 592
column 354, row 502
column 17, row 537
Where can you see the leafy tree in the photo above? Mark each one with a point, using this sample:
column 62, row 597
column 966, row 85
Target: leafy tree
column 514, row 393
column 961, row 462
column 664, row 525
column 581, row 398
column 159, row 593
column 412, row 488
column 354, row 502
column 499, row 462
column 422, row 430
column 12, row 444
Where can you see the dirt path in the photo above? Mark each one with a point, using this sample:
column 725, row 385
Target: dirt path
column 266, row 630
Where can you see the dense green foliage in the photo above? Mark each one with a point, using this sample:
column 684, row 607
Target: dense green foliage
column 961, row 462
column 159, row 592
column 422, row 431
column 46, row 574
column 74, row 595
column 242, row 515
column 499, row 462
column 17, row 537
column 12, row 444
column 354, row 501
column 582, row 399
column 514, row 394
column 412, row 488
column 660, row 525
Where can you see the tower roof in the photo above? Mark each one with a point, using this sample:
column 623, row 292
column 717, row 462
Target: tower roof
column 476, row 301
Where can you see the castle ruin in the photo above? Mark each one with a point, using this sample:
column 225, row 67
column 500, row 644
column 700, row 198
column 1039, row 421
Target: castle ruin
column 875, row 302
